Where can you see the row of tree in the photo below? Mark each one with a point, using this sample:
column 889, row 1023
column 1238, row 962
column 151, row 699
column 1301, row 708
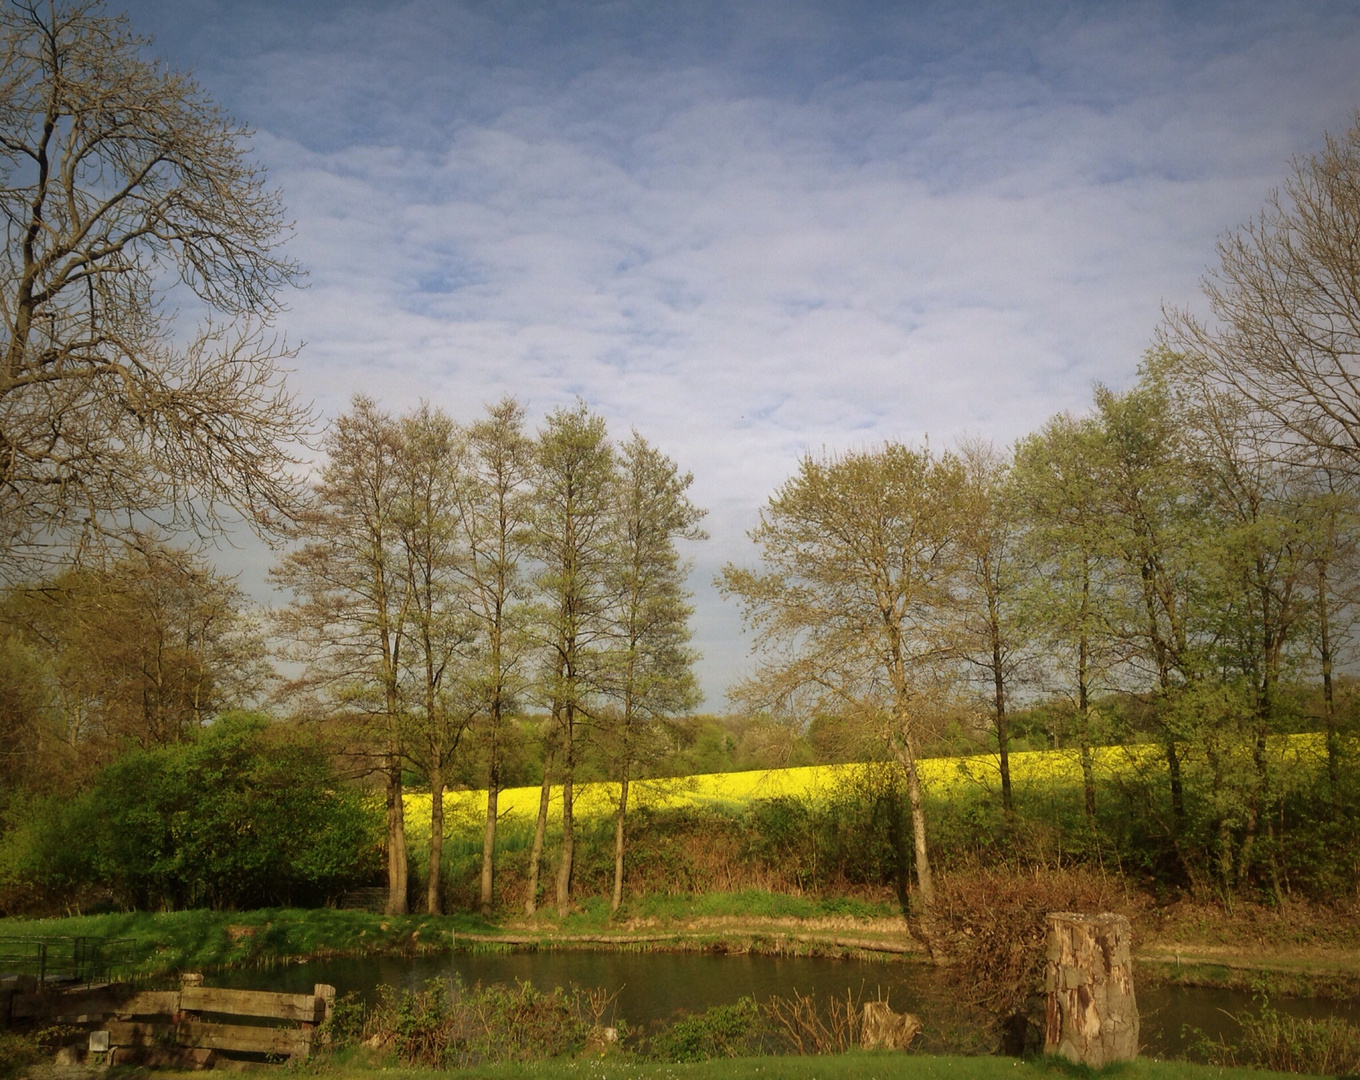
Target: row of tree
column 1192, row 542
column 449, row 578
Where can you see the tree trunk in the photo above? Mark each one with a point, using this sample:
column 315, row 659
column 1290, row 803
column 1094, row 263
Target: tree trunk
column 1173, row 769
column 1088, row 777
column 1002, row 732
column 1092, row 1015
column 493, row 784
column 617, row 900
column 396, row 840
column 432, row 892
column 925, row 883
column 568, row 845
column 540, row 829
column 1328, row 698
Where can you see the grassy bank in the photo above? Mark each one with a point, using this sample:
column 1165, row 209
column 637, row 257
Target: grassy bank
column 852, row 1066
column 168, row 942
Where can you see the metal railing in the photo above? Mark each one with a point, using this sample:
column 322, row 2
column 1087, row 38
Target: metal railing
column 65, row 959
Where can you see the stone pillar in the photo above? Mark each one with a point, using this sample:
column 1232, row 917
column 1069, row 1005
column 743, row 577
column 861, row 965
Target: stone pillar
column 1092, row 1016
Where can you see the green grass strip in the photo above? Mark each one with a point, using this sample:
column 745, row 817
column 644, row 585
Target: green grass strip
column 855, row 1066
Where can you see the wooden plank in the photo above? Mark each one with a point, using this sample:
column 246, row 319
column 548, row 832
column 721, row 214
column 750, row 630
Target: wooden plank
column 237, row 1038
column 93, row 1005
column 164, row 1057
column 262, row 1003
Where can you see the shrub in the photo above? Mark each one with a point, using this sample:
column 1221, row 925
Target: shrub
column 723, row 1031
column 249, row 815
column 446, row 1025
column 1270, row 1040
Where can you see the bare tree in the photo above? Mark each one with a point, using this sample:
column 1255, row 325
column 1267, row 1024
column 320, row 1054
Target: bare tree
column 118, row 177
column 1286, row 305
column 350, row 618
column 494, row 511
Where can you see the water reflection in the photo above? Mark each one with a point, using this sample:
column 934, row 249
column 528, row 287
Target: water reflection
column 653, row 987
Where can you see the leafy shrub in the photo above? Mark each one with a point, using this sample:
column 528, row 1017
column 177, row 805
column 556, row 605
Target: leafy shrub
column 249, row 815
column 447, row 1025
column 17, row 1052
column 723, row 1031
column 1270, row 1040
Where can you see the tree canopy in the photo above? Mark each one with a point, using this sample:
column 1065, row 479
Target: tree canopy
column 129, row 197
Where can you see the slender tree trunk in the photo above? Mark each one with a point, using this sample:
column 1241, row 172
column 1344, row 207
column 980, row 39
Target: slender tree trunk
column 925, row 882
column 493, row 791
column 433, row 901
column 617, row 900
column 564, row 866
column 1002, row 727
column 1328, row 698
column 1088, row 776
column 1173, row 769
column 1265, row 708
column 540, row 830
column 396, row 839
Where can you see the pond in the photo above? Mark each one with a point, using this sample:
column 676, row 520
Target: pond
column 652, row 987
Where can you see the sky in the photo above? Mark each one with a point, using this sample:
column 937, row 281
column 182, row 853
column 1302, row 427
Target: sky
column 753, row 231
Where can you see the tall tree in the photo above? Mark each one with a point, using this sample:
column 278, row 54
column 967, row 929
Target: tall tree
column 993, row 568
column 1057, row 475
column 852, row 603
column 351, row 609
column 1266, row 528
column 441, row 632
column 121, row 181
column 574, row 544
column 651, row 669
column 494, row 513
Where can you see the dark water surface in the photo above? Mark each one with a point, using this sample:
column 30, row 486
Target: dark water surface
column 654, row 987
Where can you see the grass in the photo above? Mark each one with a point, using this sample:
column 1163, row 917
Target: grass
column 853, row 1066
column 201, row 940
column 166, row 942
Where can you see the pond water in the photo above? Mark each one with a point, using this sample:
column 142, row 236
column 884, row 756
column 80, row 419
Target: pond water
column 657, row 987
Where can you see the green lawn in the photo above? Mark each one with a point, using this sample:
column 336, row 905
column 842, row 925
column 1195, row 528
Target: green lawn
column 856, row 1066
column 199, row 940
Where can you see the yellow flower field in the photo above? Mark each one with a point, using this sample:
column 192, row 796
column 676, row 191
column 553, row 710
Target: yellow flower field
column 940, row 777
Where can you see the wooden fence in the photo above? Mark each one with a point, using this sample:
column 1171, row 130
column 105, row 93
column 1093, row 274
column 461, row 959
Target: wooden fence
column 201, row 1020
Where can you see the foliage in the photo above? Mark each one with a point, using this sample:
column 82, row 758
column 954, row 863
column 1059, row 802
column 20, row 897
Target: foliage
column 1272, row 1040
column 144, row 650
column 447, row 1025
column 245, row 816
column 730, row 1031
column 17, row 1052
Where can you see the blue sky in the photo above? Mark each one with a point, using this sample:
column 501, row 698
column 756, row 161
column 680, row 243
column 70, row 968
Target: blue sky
column 752, row 230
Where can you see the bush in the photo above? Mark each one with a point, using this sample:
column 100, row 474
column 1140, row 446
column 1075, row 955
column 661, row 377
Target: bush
column 17, row 1052
column 723, row 1031
column 1327, row 1047
column 249, row 815
column 446, row 1025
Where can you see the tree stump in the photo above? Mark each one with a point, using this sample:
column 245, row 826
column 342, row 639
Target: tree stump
column 1092, row 1016
column 883, row 1029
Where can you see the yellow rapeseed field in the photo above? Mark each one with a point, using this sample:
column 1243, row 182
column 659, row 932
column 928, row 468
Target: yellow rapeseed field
column 942, row 777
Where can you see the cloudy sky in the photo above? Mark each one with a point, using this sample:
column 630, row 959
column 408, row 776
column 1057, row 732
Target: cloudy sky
column 755, row 229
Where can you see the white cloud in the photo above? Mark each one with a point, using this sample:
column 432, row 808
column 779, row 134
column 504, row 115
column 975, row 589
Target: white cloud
column 749, row 231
